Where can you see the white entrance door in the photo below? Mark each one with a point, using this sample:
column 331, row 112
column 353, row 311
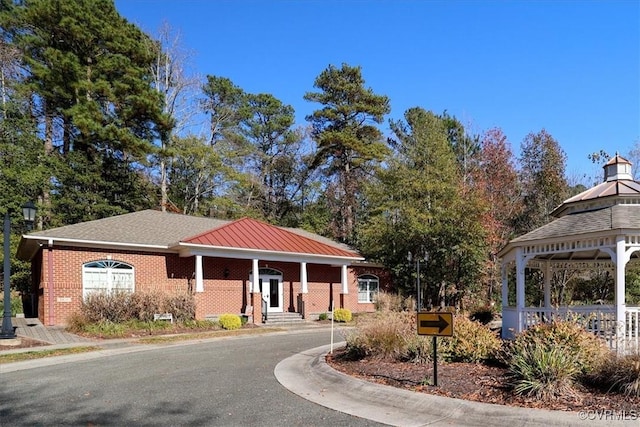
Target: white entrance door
column 272, row 292
column 270, row 282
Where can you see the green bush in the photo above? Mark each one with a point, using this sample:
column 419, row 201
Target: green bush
column 471, row 342
column 230, row 321
column 323, row 316
column 549, row 358
column 620, row 374
column 342, row 315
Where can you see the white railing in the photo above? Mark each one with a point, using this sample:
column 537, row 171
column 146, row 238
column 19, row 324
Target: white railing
column 597, row 319
column 632, row 334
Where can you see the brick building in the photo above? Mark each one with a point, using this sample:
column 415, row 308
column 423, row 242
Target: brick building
column 243, row 266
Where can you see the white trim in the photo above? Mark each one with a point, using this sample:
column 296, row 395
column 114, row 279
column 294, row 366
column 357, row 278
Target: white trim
column 187, row 250
column 93, row 243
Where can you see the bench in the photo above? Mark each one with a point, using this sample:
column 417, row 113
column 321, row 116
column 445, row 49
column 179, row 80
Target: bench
column 163, row 316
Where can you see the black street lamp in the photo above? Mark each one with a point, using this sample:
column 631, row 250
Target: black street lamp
column 424, row 257
column 29, row 215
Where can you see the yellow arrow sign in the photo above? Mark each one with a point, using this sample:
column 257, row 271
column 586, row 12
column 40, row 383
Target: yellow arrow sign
column 435, row 323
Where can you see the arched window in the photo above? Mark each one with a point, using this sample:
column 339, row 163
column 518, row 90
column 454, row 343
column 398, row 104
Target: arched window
column 107, row 276
column 368, row 288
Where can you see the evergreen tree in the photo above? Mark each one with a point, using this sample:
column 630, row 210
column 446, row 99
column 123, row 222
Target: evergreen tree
column 416, row 206
column 88, row 71
column 348, row 142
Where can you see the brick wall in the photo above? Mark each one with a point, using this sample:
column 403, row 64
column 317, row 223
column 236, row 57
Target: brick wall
column 226, row 282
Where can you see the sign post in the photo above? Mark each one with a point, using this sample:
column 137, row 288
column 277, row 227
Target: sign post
column 436, row 324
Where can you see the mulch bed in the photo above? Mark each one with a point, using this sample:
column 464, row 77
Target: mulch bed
column 472, row 381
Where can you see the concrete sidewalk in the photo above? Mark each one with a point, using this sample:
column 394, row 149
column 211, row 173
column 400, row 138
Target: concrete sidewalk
column 34, row 329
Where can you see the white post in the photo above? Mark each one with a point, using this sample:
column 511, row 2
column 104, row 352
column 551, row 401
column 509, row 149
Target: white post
column 520, row 266
column 505, row 284
column 332, row 310
column 345, row 284
column 255, row 277
column 199, row 278
column 547, row 284
column 303, row 278
column 621, row 307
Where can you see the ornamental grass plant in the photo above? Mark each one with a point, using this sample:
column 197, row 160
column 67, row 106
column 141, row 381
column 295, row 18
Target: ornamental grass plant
column 620, row 374
column 549, row 359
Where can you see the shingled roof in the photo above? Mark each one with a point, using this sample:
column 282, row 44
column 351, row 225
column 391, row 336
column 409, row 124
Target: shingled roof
column 151, row 229
column 610, row 208
column 617, row 217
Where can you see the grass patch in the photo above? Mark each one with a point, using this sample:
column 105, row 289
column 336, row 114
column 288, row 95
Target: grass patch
column 205, row 335
column 41, row 354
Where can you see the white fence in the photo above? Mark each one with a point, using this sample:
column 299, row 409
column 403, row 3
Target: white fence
column 598, row 319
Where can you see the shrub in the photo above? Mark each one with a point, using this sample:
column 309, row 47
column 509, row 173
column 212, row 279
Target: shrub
column 390, row 302
column 100, row 307
column 388, row 336
column 547, row 359
column 146, row 304
column 472, row 342
column 322, row 316
column 621, row 374
column 230, row 321
column 342, row 315
column 77, row 322
column 15, row 303
column 484, row 314
column 182, row 306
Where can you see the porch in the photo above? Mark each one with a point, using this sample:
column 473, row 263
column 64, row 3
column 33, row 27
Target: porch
column 597, row 319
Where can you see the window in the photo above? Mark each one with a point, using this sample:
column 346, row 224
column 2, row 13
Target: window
column 107, row 276
column 368, row 286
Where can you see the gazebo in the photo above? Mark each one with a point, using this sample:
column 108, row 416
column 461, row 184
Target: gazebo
column 596, row 229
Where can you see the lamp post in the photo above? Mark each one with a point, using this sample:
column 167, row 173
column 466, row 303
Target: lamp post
column 29, row 215
column 418, row 287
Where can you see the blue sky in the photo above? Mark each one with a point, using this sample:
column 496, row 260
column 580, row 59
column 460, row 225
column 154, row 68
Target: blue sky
column 570, row 67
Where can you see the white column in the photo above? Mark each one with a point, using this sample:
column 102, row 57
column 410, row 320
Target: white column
column 199, row 279
column 255, row 277
column 303, row 278
column 345, row 285
column 547, row 284
column 520, row 266
column 621, row 307
column 505, row 284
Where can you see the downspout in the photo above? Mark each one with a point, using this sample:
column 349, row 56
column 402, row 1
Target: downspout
column 52, row 316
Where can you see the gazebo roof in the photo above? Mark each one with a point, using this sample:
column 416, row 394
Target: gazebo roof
column 608, row 209
column 617, row 217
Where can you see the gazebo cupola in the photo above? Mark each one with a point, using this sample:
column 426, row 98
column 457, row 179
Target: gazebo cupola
column 618, row 169
column 596, row 229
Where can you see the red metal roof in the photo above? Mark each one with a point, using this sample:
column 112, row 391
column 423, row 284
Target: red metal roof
column 247, row 233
